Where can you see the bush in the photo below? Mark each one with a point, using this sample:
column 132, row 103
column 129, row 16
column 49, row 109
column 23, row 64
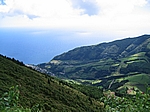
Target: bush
column 137, row 103
column 9, row 102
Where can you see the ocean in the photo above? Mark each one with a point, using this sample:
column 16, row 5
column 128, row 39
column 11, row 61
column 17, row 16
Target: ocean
column 34, row 46
column 31, row 46
column 37, row 45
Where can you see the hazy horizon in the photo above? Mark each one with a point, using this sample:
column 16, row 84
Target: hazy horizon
column 32, row 47
column 35, row 31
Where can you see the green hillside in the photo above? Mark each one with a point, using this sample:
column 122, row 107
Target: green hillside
column 109, row 65
column 51, row 93
column 115, row 49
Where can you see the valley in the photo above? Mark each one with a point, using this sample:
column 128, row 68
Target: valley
column 110, row 65
column 99, row 78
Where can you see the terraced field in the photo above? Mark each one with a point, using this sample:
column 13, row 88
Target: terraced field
column 108, row 65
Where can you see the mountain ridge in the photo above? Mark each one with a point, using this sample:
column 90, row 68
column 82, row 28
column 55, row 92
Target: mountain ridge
column 103, row 50
column 118, row 60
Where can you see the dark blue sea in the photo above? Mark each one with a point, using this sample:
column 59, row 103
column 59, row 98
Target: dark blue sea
column 34, row 46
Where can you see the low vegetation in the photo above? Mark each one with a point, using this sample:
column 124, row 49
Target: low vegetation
column 140, row 102
column 50, row 93
column 133, row 70
column 9, row 102
column 114, row 64
column 109, row 77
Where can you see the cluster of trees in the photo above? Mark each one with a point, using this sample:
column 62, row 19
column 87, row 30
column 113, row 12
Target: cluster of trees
column 14, row 60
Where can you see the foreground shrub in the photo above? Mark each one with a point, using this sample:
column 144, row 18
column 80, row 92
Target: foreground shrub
column 136, row 103
column 9, row 102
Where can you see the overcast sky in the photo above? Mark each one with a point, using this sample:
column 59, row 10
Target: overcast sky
column 81, row 22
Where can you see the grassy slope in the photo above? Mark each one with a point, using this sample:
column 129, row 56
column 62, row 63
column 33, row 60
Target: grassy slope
column 138, row 76
column 113, row 71
column 131, row 68
column 109, row 63
column 36, row 88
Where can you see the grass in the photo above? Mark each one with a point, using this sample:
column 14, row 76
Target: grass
column 36, row 88
column 88, row 72
column 139, row 102
column 96, row 81
column 140, row 78
column 137, row 81
column 148, row 46
column 9, row 102
column 57, row 95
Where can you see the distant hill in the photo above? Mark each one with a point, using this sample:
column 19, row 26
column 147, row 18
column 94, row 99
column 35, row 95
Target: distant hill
column 115, row 64
column 115, row 49
column 52, row 94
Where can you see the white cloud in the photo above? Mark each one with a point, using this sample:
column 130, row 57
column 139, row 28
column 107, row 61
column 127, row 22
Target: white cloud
column 119, row 7
column 45, row 8
column 123, row 17
column 88, row 7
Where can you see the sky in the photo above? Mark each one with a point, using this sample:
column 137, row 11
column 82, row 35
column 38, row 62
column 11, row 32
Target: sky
column 78, row 22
